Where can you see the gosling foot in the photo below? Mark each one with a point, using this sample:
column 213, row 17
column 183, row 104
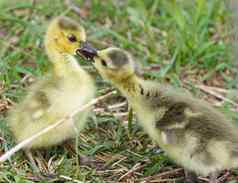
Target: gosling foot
column 37, row 172
column 213, row 178
column 84, row 160
column 190, row 177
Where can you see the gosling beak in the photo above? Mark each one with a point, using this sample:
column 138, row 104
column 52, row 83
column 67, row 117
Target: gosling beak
column 87, row 51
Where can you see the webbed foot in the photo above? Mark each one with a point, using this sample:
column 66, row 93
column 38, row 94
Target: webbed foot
column 190, row 177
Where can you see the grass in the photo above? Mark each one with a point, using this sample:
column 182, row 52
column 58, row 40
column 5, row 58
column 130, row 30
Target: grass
column 189, row 40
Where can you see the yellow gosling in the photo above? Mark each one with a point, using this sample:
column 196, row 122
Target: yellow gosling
column 58, row 93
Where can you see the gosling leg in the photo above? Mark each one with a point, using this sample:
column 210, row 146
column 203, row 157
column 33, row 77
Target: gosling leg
column 40, row 175
column 34, row 167
column 213, row 177
column 190, row 177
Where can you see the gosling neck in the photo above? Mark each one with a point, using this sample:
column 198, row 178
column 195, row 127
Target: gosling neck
column 63, row 63
column 129, row 86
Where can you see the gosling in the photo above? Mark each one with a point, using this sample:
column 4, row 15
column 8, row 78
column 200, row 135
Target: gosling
column 193, row 133
column 63, row 89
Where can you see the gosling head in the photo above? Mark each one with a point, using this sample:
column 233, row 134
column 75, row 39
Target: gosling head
column 64, row 35
column 113, row 64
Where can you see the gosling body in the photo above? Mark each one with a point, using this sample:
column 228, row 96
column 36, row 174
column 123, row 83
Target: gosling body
column 191, row 132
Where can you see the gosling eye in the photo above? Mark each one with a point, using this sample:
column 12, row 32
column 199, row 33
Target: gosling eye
column 104, row 63
column 72, row 38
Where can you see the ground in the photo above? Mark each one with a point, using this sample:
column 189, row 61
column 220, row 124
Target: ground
column 185, row 43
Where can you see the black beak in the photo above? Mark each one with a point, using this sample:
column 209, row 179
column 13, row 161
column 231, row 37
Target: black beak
column 87, row 51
